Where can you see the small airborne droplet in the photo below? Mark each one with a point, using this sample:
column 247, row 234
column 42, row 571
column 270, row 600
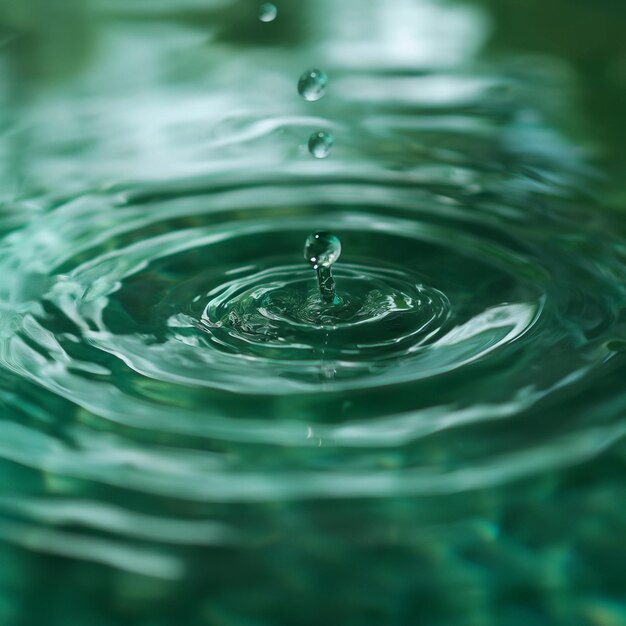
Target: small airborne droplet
column 312, row 85
column 321, row 250
column 320, row 144
column 268, row 12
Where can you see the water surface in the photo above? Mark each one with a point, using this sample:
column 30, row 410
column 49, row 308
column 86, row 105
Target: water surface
column 188, row 434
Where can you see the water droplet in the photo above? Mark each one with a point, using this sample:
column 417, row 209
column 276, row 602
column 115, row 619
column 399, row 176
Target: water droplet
column 321, row 250
column 312, row 85
column 320, row 144
column 268, row 12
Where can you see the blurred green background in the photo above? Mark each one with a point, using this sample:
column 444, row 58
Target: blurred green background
column 49, row 40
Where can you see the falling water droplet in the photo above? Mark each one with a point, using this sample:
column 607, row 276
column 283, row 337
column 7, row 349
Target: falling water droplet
column 320, row 144
column 312, row 85
column 268, row 12
column 321, row 250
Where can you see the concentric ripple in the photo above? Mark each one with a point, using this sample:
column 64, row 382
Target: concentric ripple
column 176, row 324
column 194, row 316
column 156, row 305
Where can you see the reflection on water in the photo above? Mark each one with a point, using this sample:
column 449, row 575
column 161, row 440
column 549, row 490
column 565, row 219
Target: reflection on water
column 190, row 434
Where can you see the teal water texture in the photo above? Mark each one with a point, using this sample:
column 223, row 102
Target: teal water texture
column 190, row 434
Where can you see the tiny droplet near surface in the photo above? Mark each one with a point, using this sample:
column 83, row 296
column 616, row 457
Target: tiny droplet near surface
column 268, row 12
column 320, row 144
column 312, row 85
column 322, row 249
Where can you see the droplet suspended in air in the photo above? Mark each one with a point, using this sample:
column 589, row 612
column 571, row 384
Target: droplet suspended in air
column 268, row 12
column 321, row 250
column 320, row 144
column 312, row 85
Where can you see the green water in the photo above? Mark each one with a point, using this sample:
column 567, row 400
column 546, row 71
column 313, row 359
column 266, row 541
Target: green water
column 193, row 431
